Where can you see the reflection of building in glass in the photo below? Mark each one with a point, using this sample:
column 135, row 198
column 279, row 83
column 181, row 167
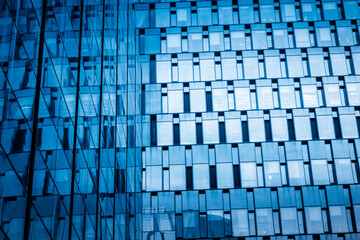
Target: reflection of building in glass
column 180, row 119
column 251, row 118
column 67, row 79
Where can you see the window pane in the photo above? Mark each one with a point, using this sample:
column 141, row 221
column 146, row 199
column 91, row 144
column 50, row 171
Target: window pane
column 251, row 68
column 195, row 42
column 289, row 221
column 165, row 133
column 216, row 41
column 272, row 174
column 344, row 171
column 187, row 132
column 296, row 173
column 338, row 219
column 256, row 129
column 287, row 96
column 237, row 40
column 163, row 71
column 309, row 95
column 177, row 177
column 185, row 71
column 233, row 130
column 225, row 176
column 332, row 95
column 248, row 174
column 302, row 37
column 201, row 176
column 264, row 221
column 240, row 222
column 242, row 98
column 207, row 69
column 220, row 99
column 320, row 172
column 313, row 220
column 210, row 131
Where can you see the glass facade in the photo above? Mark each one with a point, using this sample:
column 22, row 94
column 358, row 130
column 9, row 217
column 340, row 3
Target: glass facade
column 250, row 119
column 175, row 119
column 69, row 132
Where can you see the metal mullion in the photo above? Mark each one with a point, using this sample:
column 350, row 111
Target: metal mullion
column 34, row 138
column 100, row 122
column 116, row 114
column 73, row 163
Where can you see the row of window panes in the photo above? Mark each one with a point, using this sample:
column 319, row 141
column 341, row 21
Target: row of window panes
column 206, row 13
column 250, row 65
column 215, row 38
column 235, row 213
column 264, row 94
column 253, row 127
column 223, row 169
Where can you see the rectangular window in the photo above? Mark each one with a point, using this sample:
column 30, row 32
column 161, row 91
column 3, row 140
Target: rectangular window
column 207, row 69
column 256, row 127
column 294, row 64
column 309, row 94
column 302, row 37
column 309, row 11
column 332, row 95
column 216, row 41
column 163, row 71
column 197, row 97
column 248, row 174
column 316, row 63
column 296, row 173
column 289, row 221
column 264, row 221
column 195, row 42
column 185, row 71
column 279, row 125
column 187, row 130
column 344, row 173
column 272, row 174
column 225, row 176
column 210, row 131
column 177, row 177
column 302, row 124
column 242, row 98
column 320, row 172
column 349, row 128
column 164, row 130
column 246, row 14
column 240, row 222
column 264, row 97
column 325, row 123
column 201, row 176
column 237, row 40
column 330, row 10
column 259, row 40
column 251, row 67
column 204, row 16
column 267, row 13
column 220, row 98
column 272, row 65
column 338, row 64
column 338, row 219
column 281, row 39
column 314, row 223
column 233, row 129
column 288, row 12
column 173, row 42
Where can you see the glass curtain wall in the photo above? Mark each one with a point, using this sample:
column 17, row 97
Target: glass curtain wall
column 251, row 118
column 68, row 129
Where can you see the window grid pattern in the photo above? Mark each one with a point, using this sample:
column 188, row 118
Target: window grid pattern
column 251, row 119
